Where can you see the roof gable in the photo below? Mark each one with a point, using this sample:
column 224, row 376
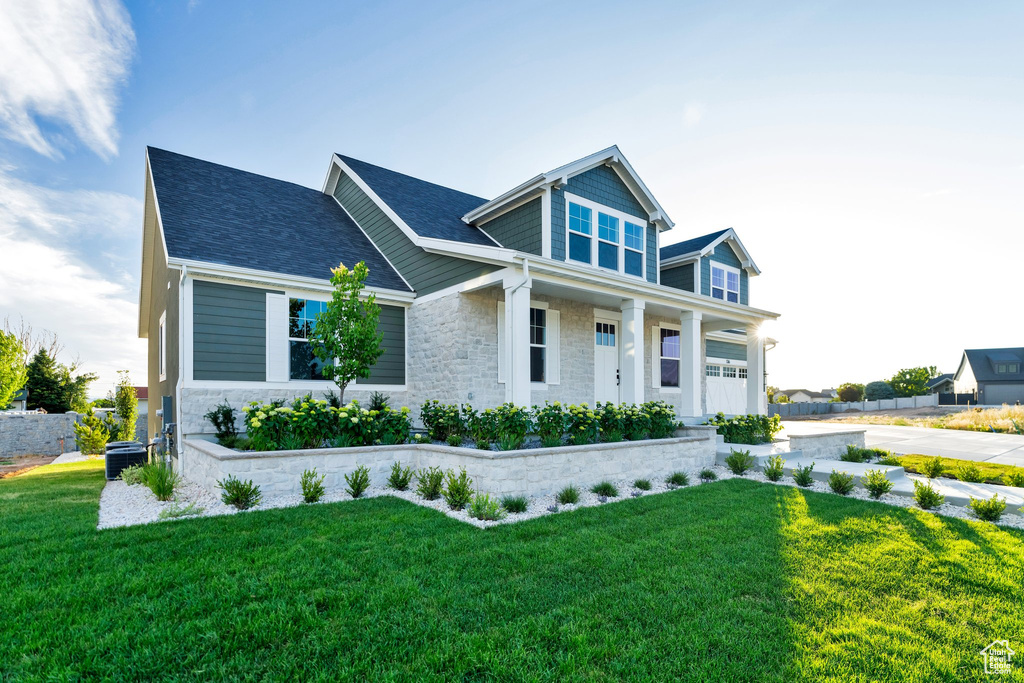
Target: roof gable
column 217, row 214
column 704, row 245
column 984, row 361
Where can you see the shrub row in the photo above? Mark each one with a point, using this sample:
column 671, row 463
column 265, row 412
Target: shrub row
column 747, row 429
column 313, row 423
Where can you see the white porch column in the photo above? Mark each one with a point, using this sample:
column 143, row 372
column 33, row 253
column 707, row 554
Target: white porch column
column 517, row 343
column 631, row 377
column 689, row 365
column 757, row 400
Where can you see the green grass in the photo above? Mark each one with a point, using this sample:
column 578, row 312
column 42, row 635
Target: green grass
column 734, row 581
column 991, row 472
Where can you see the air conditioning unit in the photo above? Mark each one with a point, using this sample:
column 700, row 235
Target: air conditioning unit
column 119, row 457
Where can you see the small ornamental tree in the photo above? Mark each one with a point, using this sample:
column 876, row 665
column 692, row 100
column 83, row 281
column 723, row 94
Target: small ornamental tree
column 880, row 390
column 850, row 392
column 345, row 338
column 911, row 381
column 126, row 405
column 13, row 372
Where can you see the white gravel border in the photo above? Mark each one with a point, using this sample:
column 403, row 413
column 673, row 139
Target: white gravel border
column 123, row 505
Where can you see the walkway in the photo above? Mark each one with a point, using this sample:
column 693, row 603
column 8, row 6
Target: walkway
column 1006, row 449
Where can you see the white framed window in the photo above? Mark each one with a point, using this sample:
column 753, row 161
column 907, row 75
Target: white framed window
column 743, row 373
column 303, row 363
column 713, row 370
column 544, row 345
column 725, row 283
column 617, row 243
column 538, row 345
column 669, row 350
column 161, row 347
column 1007, row 368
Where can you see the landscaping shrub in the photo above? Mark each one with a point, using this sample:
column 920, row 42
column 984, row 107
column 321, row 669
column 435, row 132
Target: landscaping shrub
column 642, row 484
column 389, row 426
column 266, row 424
column 747, row 429
column 802, row 475
column 379, row 401
column 430, row 483
column 160, row 479
column 455, row 440
column 291, row 442
column 841, row 483
column 1014, row 478
column 739, row 462
column 513, row 424
column 241, row 494
column 584, row 425
column 636, row 423
column 989, row 510
column 515, row 504
column 312, row 486
column 175, row 511
column 132, row 474
column 773, row 468
column 224, row 422
column 355, row 426
column 570, row 495
column 92, row 433
column 485, row 508
column 876, row 483
column 482, row 427
column 969, row 472
column 605, row 488
column 400, row 477
column 933, row 468
column 856, row 454
column 682, row 478
column 126, row 407
column 880, row 453
column 612, row 419
column 552, row 422
column 661, row 419
column 890, row 459
column 441, row 420
column 880, row 390
column 458, row 489
column 926, row 496
column 358, row 481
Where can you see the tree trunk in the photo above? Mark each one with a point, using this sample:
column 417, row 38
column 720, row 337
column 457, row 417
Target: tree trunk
column 341, row 389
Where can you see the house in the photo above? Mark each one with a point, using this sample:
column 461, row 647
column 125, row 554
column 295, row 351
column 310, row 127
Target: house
column 994, row 376
column 808, row 396
column 19, row 401
column 943, row 384
column 556, row 290
column 142, row 395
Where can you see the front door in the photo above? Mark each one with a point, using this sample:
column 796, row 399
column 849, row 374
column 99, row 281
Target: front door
column 606, row 361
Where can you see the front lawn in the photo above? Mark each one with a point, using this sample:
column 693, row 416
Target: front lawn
column 729, row 581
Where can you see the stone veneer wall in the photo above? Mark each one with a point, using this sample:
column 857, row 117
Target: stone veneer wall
column 537, row 471
column 36, row 433
column 826, row 446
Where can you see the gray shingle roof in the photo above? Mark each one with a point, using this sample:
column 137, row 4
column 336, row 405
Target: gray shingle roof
column 217, row 214
column 691, row 245
column 935, row 381
column 431, row 210
column 983, row 364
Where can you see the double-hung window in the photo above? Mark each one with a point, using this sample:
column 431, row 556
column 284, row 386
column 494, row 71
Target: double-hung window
column 725, row 283
column 634, row 254
column 538, row 345
column 670, row 357
column 607, row 241
column 302, row 315
column 580, row 230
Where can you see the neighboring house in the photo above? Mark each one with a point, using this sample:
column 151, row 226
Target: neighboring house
column 558, row 289
column 943, row 384
column 994, row 376
column 20, row 400
column 808, row 396
column 142, row 394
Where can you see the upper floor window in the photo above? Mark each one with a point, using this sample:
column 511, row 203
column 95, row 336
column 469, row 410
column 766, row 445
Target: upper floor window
column 725, row 283
column 618, row 244
column 302, row 315
column 1007, row 368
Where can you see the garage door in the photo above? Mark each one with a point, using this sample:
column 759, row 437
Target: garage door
column 996, row 394
column 727, row 389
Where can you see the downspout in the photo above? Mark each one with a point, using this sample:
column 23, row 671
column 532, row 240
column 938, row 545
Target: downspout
column 180, row 385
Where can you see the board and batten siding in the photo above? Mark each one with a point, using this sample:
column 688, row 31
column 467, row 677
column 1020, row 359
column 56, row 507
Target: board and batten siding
column 679, row 277
column 229, row 332
column 424, row 271
column 724, row 254
column 603, row 186
column 390, row 367
column 728, row 350
column 519, row 228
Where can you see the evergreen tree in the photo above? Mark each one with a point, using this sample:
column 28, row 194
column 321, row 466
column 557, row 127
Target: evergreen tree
column 53, row 386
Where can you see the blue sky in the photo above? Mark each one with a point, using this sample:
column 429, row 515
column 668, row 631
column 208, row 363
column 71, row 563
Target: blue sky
column 870, row 155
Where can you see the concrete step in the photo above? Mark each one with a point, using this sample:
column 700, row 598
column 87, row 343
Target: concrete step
column 760, row 453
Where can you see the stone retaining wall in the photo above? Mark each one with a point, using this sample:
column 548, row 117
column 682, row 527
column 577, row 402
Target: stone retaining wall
column 826, row 446
column 36, row 433
column 534, row 472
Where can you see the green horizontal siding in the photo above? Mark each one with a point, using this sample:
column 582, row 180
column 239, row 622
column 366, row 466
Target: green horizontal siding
column 519, row 228
column 728, row 350
column 679, row 277
column 724, row 254
column 229, row 332
column 390, row 367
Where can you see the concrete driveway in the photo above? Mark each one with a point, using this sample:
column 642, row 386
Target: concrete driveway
column 1006, row 449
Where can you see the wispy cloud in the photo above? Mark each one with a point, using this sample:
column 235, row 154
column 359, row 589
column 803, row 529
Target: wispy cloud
column 61, row 62
column 692, row 114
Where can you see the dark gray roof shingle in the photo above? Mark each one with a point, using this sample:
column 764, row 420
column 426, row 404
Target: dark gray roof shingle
column 430, row 210
column 983, row 364
column 935, row 381
column 690, row 245
column 217, row 214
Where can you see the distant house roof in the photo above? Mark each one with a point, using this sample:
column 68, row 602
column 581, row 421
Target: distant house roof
column 20, row 395
column 828, row 393
column 431, row 210
column 142, row 393
column 936, row 381
column 217, row 214
column 689, row 246
column 984, row 361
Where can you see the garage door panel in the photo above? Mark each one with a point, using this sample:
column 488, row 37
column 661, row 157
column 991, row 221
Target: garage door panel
column 996, row 394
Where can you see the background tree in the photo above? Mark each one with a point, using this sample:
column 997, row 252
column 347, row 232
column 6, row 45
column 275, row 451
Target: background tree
column 13, row 373
column 126, row 406
column 345, row 338
column 912, row 381
column 54, row 387
column 771, row 391
column 879, row 390
column 850, row 392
